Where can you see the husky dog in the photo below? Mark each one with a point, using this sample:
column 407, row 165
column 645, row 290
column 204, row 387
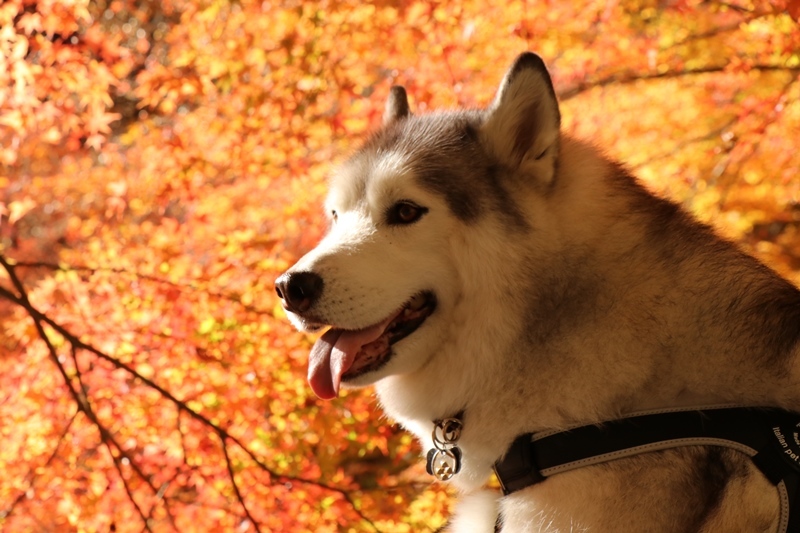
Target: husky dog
column 484, row 264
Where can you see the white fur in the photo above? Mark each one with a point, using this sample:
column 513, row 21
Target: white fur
column 476, row 512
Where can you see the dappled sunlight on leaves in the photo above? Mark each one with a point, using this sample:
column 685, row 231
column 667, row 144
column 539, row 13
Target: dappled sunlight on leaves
column 162, row 162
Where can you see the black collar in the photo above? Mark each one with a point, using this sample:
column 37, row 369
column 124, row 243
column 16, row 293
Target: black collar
column 770, row 437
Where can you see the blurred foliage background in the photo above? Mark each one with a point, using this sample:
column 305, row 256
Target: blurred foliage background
column 162, row 161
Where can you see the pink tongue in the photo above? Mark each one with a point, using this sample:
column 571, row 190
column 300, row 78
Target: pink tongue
column 333, row 355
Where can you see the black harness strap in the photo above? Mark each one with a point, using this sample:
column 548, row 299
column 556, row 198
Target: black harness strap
column 770, row 437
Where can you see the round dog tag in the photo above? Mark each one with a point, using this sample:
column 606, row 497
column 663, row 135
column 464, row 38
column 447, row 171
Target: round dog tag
column 444, row 464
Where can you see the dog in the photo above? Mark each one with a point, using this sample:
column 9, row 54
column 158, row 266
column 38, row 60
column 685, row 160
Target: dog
column 487, row 266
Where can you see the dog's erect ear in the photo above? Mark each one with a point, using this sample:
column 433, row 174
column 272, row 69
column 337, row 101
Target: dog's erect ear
column 522, row 124
column 396, row 105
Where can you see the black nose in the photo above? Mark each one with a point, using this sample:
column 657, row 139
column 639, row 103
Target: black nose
column 298, row 290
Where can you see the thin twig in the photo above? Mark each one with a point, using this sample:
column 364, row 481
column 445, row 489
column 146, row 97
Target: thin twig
column 145, row 277
column 716, row 132
column 32, row 474
column 750, row 16
column 235, row 485
column 116, row 461
column 108, row 440
column 770, row 119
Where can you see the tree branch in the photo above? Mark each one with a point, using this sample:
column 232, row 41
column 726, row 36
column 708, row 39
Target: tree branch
column 622, row 78
column 40, row 318
column 81, row 400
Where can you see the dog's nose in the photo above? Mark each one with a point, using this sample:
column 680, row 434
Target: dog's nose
column 298, row 290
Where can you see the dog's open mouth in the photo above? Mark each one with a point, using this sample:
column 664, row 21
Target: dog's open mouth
column 341, row 355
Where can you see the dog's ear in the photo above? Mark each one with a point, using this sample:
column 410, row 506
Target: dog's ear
column 522, row 124
column 396, row 105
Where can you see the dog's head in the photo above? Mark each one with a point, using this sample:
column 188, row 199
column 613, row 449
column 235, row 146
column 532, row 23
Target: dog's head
column 383, row 278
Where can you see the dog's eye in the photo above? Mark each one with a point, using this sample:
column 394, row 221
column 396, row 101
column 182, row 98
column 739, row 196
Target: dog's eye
column 334, row 215
column 405, row 213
